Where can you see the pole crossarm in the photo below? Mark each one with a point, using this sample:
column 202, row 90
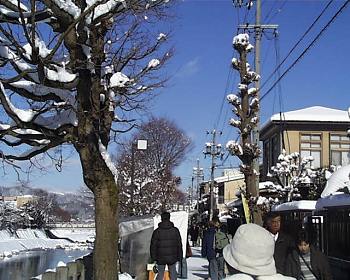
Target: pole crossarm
column 257, row 26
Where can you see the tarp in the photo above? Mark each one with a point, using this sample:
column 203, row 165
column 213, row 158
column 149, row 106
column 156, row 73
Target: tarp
column 180, row 220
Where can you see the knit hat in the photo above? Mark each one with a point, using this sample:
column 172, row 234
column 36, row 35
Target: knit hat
column 251, row 251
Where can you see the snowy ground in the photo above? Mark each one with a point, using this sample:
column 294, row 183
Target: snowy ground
column 75, row 234
column 197, row 267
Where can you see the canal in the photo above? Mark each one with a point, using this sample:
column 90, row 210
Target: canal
column 32, row 263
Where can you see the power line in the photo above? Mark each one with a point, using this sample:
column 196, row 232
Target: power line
column 297, row 43
column 307, row 49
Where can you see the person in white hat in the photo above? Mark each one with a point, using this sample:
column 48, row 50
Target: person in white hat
column 250, row 255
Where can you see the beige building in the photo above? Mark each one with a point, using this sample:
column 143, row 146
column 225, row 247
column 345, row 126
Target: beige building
column 227, row 186
column 17, row 201
column 317, row 131
column 23, row 199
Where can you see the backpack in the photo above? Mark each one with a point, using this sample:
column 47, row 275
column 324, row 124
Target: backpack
column 221, row 240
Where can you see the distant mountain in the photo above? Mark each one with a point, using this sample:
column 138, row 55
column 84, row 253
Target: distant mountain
column 79, row 205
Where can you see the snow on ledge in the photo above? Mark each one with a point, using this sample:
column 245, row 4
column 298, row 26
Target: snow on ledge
column 307, row 205
column 336, row 200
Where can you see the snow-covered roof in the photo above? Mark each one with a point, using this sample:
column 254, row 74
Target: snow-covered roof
column 338, row 180
column 308, row 205
column 312, row 114
column 231, row 176
column 336, row 200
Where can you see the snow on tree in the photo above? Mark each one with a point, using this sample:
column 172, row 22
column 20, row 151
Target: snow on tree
column 146, row 176
column 296, row 177
column 245, row 108
column 71, row 72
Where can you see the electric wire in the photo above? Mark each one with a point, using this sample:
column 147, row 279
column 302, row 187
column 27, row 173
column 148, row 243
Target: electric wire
column 306, row 50
column 297, row 43
column 276, row 13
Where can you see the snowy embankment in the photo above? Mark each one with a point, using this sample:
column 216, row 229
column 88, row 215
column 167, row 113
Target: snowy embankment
column 29, row 239
column 75, row 234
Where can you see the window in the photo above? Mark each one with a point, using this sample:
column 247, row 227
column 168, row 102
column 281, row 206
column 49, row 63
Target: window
column 276, row 149
column 339, row 149
column 311, row 145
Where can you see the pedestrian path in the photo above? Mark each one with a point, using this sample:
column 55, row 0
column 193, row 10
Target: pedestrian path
column 197, row 267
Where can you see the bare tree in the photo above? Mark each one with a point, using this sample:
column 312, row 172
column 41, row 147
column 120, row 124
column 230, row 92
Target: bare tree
column 71, row 72
column 147, row 178
column 245, row 107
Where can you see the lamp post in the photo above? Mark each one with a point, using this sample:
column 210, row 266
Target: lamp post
column 138, row 145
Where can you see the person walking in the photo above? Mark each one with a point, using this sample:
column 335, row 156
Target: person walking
column 208, row 249
column 194, row 232
column 222, row 239
column 249, row 256
column 306, row 261
column 284, row 244
column 166, row 247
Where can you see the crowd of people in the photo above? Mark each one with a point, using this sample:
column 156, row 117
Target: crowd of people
column 254, row 252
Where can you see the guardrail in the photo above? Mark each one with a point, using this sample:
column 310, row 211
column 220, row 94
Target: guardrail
column 71, row 225
column 72, row 271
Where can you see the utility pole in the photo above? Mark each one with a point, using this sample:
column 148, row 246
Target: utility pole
column 257, row 28
column 199, row 175
column 214, row 150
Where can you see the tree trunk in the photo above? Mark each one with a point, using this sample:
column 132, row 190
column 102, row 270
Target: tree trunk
column 106, row 244
column 99, row 178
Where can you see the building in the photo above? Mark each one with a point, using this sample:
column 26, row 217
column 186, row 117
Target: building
column 316, row 131
column 24, row 199
column 226, row 189
column 17, row 201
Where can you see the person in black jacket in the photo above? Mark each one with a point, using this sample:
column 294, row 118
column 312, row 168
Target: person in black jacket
column 284, row 244
column 306, row 261
column 166, row 247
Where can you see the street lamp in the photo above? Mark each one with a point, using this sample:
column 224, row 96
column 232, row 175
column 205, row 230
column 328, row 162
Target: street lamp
column 138, row 145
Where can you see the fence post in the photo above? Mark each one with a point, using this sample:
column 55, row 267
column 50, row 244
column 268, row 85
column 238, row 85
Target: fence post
column 72, row 271
column 61, row 273
column 81, row 269
column 49, row 275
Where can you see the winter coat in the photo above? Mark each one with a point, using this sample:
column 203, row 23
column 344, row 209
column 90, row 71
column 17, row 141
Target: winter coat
column 194, row 232
column 208, row 250
column 242, row 276
column 166, row 245
column 284, row 245
column 319, row 265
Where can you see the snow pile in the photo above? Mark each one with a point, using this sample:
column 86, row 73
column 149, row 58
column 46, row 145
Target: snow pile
column 119, row 79
column 307, row 205
column 337, row 181
column 28, row 239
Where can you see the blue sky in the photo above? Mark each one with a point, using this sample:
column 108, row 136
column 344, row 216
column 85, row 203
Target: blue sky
column 201, row 74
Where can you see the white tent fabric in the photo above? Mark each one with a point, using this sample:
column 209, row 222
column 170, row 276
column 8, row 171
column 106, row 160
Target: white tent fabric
column 338, row 180
column 133, row 226
column 180, row 220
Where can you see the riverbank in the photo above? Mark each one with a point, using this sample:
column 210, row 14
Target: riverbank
column 12, row 243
